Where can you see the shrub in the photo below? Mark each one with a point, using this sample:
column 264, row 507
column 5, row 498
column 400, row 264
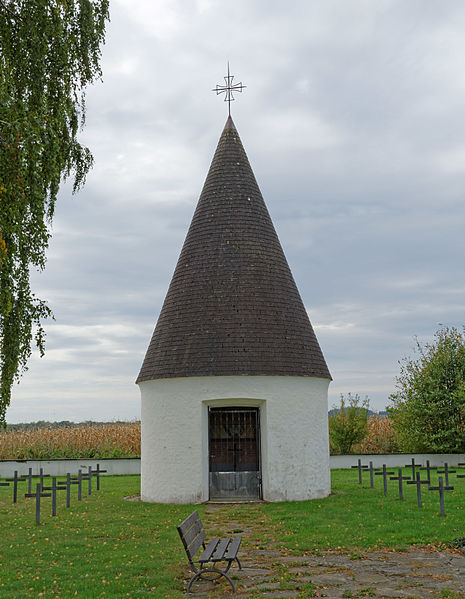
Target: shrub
column 428, row 410
column 348, row 423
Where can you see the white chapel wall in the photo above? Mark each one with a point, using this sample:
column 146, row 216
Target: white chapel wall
column 294, row 435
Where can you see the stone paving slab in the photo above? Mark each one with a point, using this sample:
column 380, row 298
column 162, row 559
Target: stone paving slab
column 381, row 575
column 413, row 574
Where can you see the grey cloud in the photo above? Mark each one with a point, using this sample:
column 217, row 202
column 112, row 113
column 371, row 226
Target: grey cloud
column 352, row 121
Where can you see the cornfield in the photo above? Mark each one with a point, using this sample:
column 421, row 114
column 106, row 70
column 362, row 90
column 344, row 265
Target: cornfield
column 381, row 437
column 122, row 439
column 109, row 440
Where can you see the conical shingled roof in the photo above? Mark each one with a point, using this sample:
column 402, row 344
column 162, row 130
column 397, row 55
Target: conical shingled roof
column 232, row 307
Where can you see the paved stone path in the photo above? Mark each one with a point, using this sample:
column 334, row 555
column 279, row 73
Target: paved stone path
column 415, row 574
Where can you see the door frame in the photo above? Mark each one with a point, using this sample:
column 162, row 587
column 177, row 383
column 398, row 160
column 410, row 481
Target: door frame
column 252, row 405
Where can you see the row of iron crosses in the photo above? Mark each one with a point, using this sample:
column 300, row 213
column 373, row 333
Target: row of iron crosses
column 414, row 479
column 64, row 485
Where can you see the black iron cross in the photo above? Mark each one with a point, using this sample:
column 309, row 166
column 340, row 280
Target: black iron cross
column 15, row 480
column 228, row 89
column 97, row 472
column 400, row 478
column 67, row 485
column 441, row 488
column 89, row 478
column 446, row 471
column 384, row 473
column 360, row 468
column 78, row 480
column 461, row 475
column 37, row 495
column 428, row 469
column 413, row 465
column 29, row 476
column 54, row 488
column 418, row 483
column 372, row 470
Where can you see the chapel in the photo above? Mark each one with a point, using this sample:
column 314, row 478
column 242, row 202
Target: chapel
column 234, row 385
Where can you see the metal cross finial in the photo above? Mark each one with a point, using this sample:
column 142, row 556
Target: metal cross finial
column 228, row 89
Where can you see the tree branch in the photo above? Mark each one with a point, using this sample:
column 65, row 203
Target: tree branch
column 8, row 9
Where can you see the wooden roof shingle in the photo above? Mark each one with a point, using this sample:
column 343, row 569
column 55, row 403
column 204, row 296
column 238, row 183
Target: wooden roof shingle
column 232, row 307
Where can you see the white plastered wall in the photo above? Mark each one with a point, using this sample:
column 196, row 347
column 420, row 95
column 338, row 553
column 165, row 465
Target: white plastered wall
column 294, row 435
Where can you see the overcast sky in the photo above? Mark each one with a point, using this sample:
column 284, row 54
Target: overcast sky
column 353, row 122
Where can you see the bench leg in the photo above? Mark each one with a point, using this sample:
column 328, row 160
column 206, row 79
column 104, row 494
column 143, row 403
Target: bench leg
column 200, row 574
column 230, row 563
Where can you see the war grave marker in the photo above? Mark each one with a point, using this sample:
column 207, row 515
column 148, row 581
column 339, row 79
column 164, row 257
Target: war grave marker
column 418, row 482
column 446, row 472
column 78, row 481
column 428, row 469
column 400, row 478
column 66, row 485
column 413, row 465
column 54, row 488
column 15, row 480
column 384, row 473
column 441, row 488
column 372, row 470
column 29, row 477
column 462, row 465
column 38, row 495
column 97, row 472
column 360, row 468
column 43, row 491
column 89, row 478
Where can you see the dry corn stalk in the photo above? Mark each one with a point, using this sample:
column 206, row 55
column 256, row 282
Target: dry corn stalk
column 381, row 437
column 121, row 439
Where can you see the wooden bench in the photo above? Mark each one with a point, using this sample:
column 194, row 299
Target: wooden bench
column 217, row 550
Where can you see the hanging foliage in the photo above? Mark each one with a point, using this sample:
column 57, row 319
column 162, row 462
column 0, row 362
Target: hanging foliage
column 49, row 53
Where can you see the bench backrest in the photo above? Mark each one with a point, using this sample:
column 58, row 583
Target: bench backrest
column 192, row 534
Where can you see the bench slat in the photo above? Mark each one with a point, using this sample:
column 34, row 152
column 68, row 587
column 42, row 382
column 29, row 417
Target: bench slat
column 190, row 535
column 233, row 548
column 219, row 553
column 188, row 522
column 196, row 544
column 209, row 549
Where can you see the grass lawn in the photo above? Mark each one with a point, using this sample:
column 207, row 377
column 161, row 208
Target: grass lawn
column 107, row 547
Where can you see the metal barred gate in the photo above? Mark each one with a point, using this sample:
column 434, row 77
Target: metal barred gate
column 234, row 452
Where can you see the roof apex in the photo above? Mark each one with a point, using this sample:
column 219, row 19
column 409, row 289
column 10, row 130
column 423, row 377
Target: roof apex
column 232, row 307
column 229, row 124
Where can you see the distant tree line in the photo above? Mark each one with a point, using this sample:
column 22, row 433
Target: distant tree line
column 26, row 426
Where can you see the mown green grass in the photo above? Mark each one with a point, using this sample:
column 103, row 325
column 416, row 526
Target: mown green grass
column 105, row 546
column 356, row 517
column 102, row 546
